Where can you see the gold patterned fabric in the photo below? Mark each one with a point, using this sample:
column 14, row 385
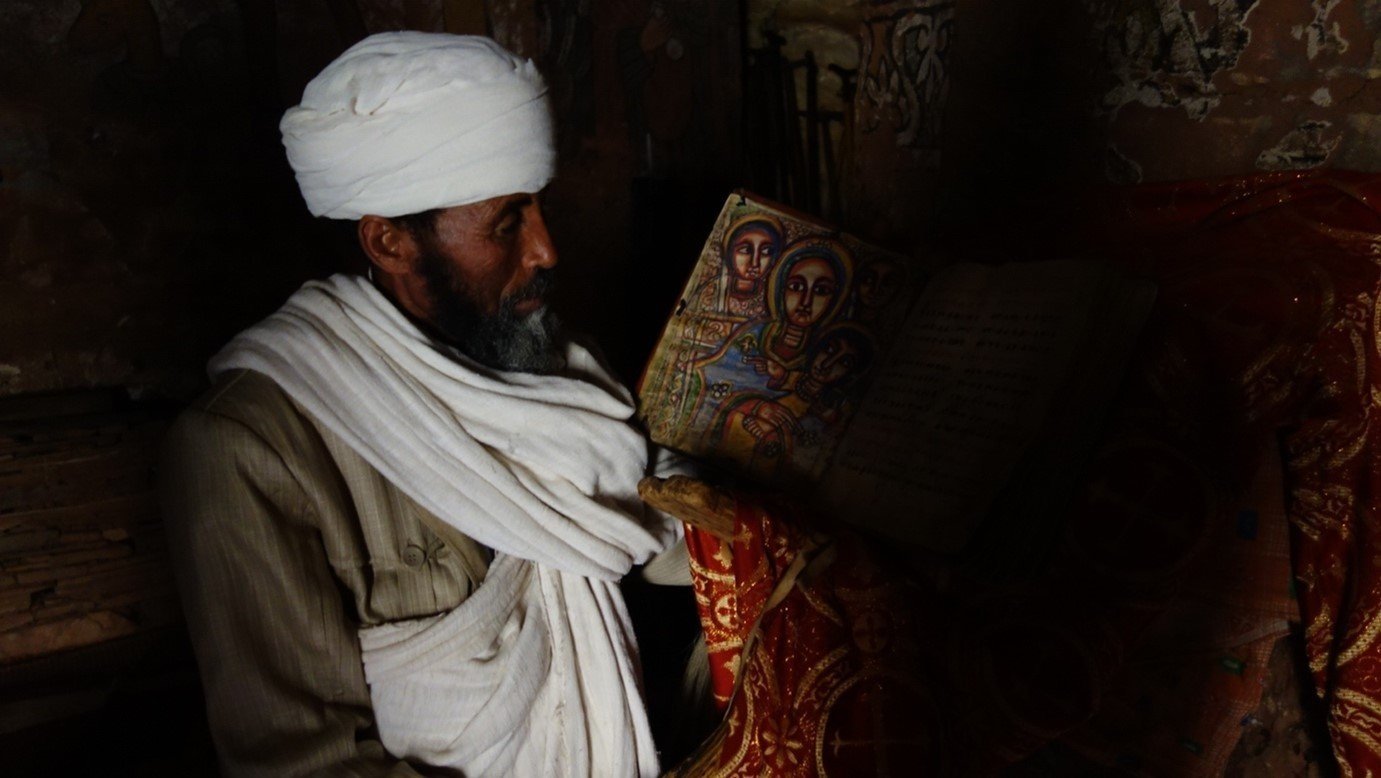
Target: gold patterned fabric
column 814, row 653
column 1266, row 331
column 1332, row 225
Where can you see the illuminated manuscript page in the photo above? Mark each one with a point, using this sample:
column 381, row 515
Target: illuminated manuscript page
column 965, row 390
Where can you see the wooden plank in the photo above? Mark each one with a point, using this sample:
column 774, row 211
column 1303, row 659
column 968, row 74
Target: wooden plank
column 14, row 544
column 141, row 609
column 15, row 600
column 60, row 445
column 10, row 622
column 84, row 630
column 45, row 438
column 25, row 568
column 51, row 575
column 146, row 578
column 83, row 559
column 52, row 612
column 24, row 407
column 113, row 511
column 41, row 493
column 17, row 462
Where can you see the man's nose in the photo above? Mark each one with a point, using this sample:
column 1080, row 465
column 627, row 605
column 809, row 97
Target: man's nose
column 538, row 250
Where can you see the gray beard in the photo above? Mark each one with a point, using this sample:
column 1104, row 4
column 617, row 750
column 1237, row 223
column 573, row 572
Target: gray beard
column 506, row 341
column 502, row 340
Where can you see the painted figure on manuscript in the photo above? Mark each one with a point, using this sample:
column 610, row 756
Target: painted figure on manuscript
column 806, row 292
column 750, row 250
column 766, row 433
column 773, row 340
column 762, row 361
column 737, row 293
column 876, row 288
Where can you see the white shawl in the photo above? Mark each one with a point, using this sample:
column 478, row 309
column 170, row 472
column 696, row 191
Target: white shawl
column 536, row 673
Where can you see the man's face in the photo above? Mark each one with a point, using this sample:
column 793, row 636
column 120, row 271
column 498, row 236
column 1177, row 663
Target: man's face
column 486, row 268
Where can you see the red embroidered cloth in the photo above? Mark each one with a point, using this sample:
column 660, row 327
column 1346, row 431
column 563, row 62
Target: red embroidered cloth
column 1281, row 272
column 826, row 638
column 1142, row 642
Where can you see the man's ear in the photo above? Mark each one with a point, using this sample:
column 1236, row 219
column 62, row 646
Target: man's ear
column 389, row 247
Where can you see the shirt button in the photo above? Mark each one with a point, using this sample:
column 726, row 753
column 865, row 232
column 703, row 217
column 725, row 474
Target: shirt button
column 414, row 556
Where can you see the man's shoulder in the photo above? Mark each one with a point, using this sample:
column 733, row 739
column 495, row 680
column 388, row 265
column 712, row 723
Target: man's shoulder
column 237, row 392
column 244, row 402
column 243, row 396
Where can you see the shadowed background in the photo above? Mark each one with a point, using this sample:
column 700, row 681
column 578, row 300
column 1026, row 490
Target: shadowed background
column 147, row 214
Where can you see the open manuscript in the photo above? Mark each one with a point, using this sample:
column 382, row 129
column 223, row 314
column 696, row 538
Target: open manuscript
column 909, row 397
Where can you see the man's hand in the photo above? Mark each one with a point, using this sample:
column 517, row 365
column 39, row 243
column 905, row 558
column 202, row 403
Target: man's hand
column 692, row 501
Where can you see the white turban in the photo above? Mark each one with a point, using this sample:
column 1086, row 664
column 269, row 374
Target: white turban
column 404, row 122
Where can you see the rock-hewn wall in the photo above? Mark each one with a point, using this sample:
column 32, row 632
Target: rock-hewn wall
column 963, row 105
column 1214, row 88
column 141, row 215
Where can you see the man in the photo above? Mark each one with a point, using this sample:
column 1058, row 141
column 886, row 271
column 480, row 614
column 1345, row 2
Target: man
column 400, row 516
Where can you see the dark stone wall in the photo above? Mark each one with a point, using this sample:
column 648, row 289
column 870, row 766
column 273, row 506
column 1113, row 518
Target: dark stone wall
column 145, row 214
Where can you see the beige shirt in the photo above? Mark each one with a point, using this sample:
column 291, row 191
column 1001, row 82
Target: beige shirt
column 285, row 542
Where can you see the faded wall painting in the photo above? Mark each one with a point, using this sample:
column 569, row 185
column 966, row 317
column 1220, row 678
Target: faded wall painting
column 1194, row 89
column 898, row 116
column 905, row 72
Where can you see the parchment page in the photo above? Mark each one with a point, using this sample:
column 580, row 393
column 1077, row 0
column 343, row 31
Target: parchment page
column 965, row 390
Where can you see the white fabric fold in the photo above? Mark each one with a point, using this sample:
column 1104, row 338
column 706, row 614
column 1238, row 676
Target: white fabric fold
column 404, row 122
column 539, row 667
